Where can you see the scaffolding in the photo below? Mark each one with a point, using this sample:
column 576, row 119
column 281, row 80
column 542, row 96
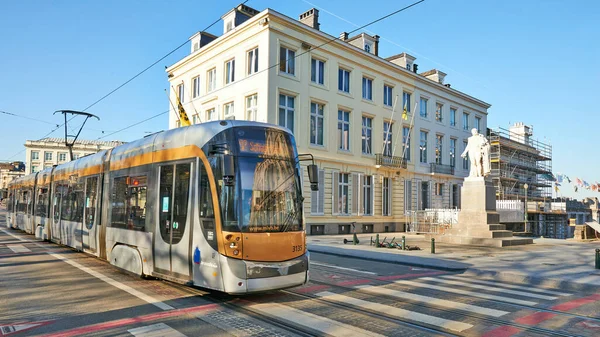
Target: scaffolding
column 517, row 160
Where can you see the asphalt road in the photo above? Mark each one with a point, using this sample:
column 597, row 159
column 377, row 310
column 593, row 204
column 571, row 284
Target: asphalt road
column 49, row 290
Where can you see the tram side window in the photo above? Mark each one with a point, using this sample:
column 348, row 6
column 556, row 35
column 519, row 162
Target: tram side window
column 41, row 209
column 58, row 193
column 72, row 203
column 119, row 200
column 91, row 191
column 129, row 203
column 180, row 201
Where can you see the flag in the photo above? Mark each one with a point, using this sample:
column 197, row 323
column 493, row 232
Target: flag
column 548, row 176
column 567, row 178
column 594, row 187
column 183, row 117
column 556, row 183
column 578, row 181
column 405, row 112
column 575, row 187
column 556, row 188
column 559, row 178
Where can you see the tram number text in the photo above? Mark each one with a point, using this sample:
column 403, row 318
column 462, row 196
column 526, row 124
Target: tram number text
column 297, row 248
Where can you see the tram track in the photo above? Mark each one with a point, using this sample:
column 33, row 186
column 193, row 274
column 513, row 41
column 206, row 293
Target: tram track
column 483, row 318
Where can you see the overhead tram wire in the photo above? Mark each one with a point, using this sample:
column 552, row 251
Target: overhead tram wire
column 147, row 68
column 277, row 64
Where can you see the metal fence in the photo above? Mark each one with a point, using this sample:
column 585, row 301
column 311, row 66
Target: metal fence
column 431, row 221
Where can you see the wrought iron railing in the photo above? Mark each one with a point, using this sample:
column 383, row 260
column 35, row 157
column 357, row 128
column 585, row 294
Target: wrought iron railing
column 441, row 168
column 389, row 161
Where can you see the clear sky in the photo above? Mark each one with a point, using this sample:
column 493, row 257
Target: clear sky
column 535, row 61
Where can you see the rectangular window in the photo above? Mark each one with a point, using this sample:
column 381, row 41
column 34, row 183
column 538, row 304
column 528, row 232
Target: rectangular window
column 424, row 195
column 62, row 156
column 344, row 193
column 452, row 117
column 439, row 144
column 229, row 71
column 387, row 196
column 35, row 155
column 367, row 88
column 317, row 128
column 211, row 80
column 438, row 112
column 387, row 139
column 452, row 152
column 466, row 159
column 317, row 198
column 387, row 95
column 47, row 156
column 344, row 80
column 228, row 110
column 406, row 142
column 251, row 107
column 252, row 66
column 286, row 111
column 34, row 168
column 465, row 121
column 181, row 93
column 196, row 86
column 406, row 101
column 367, row 195
column 211, row 115
column 344, row 130
column 317, row 71
column 439, row 189
column 76, row 156
column 287, row 61
column 423, row 107
column 195, row 119
column 423, row 147
column 367, row 129
column 478, row 124
column 408, row 193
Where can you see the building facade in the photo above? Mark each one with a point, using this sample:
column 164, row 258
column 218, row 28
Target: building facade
column 47, row 152
column 344, row 103
column 8, row 173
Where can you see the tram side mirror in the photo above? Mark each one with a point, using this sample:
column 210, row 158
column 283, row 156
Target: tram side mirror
column 313, row 176
column 228, row 170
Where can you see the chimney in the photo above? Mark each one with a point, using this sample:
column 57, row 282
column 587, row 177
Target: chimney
column 310, row 18
column 376, row 45
column 344, row 36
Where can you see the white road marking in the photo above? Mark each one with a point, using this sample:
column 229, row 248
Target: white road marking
column 322, row 324
column 11, row 234
column 511, row 286
column 342, row 268
column 156, row 330
column 488, row 288
column 116, row 284
column 397, row 312
column 432, row 300
column 467, row 293
column 19, row 249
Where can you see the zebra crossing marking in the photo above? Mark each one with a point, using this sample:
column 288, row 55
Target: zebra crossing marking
column 511, row 286
column 19, row 249
column 433, row 301
column 467, row 293
column 397, row 312
column 156, row 330
column 489, row 288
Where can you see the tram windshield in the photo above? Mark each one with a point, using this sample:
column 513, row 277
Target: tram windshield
column 266, row 195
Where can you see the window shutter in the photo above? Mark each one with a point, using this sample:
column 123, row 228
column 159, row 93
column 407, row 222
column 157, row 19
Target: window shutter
column 390, row 193
column 372, row 201
column 314, row 201
column 321, row 192
column 335, row 207
column 355, row 193
column 361, row 184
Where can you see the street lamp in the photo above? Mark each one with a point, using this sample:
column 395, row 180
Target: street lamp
column 526, row 187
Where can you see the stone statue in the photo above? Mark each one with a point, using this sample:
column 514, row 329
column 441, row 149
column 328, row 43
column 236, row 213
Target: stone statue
column 478, row 149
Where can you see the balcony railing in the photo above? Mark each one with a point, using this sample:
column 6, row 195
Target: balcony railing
column 440, row 168
column 389, row 161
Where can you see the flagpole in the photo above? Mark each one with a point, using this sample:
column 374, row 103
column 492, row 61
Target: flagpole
column 180, row 109
column 174, row 110
column 390, row 125
column 412, row 120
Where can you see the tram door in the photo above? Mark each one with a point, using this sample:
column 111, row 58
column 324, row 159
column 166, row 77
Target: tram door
column 172, row 243
column 55, row 230
column 89, row 216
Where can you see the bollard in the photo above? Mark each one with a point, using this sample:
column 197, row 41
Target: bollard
column 597, row 258
column 432, row 246
column 403, row 242
column 377, row 240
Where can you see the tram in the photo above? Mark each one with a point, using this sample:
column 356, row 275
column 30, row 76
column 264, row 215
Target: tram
column 216, row 205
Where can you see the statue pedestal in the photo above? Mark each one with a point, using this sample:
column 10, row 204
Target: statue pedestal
column 478, row 221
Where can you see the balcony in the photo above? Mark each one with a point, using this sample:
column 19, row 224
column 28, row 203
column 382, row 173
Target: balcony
column 389, row 161
column 440, row 168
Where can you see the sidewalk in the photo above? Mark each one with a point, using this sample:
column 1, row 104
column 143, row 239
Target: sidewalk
column 547, row 262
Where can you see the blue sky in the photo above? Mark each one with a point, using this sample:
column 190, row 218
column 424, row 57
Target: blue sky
column 535, row 61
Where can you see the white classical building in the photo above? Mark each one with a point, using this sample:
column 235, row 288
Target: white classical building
column 338, row 97
column 47, row 152
column 8, row 173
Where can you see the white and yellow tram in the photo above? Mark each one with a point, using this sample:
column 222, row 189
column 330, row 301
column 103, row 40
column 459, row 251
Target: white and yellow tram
column 216, row 205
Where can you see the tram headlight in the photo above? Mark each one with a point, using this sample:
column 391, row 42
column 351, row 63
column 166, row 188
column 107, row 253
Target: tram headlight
column 232, row 245
column 236, row 252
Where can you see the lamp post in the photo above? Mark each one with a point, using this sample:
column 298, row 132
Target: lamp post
column 526, row 187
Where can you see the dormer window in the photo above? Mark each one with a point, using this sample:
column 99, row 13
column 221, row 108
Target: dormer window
column 408, row 66
column 229, row 25
column 368, row 47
